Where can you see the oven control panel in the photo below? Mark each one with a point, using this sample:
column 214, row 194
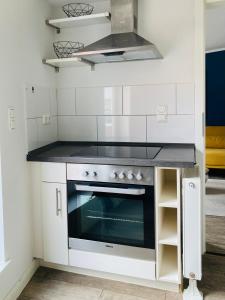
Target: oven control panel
column 111, row 173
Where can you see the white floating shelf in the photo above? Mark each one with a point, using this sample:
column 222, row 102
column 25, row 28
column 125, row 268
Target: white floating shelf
column 92, row 19
column 67, row 62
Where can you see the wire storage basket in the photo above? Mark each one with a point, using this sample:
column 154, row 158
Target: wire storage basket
column 66, row 49
column 77, row 9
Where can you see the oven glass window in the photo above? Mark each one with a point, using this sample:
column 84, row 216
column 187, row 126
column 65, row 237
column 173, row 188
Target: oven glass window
column 116, row 218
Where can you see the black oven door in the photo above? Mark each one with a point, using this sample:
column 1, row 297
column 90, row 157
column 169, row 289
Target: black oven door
column 112, row 213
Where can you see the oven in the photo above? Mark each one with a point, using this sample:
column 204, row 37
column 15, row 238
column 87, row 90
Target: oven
column 111, row 209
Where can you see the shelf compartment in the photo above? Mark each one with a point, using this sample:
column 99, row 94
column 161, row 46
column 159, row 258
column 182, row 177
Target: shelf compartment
column 92, row 19
column 67, row 62
column 168, row 232
column 168, row 191
column 168, row 269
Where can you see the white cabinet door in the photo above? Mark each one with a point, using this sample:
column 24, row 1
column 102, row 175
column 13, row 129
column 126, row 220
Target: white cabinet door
column 54, row 210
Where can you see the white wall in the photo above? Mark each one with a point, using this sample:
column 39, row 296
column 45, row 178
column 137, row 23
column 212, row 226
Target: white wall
column 40, row 103
column 171, row 26
column 2, row 243
column 215, row 26
column 25, row 40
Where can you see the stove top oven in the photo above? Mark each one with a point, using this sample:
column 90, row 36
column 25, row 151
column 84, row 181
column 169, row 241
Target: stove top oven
column 111, row 209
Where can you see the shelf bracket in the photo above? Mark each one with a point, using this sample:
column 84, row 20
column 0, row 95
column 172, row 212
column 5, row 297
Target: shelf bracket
column 92, row 65
column 109, row 17
column 44, row 61
column 58, row 30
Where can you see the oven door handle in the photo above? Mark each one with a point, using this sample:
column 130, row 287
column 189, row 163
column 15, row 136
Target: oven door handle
column 101, row 189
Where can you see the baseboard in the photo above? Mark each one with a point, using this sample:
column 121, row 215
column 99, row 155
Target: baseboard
column 146, row 283
column 23, row 281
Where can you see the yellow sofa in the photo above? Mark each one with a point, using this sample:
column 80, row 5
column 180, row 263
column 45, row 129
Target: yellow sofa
column 215, row 147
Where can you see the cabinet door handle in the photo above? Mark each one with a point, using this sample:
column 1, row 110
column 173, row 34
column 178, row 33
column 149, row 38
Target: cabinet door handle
column 58, row 202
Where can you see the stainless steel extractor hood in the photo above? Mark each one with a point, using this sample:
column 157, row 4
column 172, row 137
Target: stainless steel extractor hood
column 124, row 44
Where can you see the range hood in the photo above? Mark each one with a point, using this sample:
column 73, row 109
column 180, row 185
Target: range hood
column 124, row 44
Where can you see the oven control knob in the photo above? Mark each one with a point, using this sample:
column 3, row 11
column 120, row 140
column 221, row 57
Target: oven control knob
column 113, row 175
column 139, row 176
column 85, row 173
column 122, row 175
column 94, row 174
column 130, row 175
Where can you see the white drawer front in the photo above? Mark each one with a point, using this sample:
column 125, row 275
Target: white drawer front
column 113, row 264
column 53, row 172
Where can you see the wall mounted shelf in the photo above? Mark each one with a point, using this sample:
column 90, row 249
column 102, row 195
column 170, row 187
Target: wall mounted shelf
column 92, row 19
column 58, row 63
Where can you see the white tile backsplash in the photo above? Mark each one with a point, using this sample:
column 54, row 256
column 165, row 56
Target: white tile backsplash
column 117, row 114
column 32, row 134
column 144, row 100
column 122, row 128
column 66, row 102
column 74, row 128
column 177, row 129
column 47, row 133
column 185, row 99
column 99, row 101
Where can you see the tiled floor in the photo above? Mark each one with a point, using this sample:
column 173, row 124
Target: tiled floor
column 49, row 284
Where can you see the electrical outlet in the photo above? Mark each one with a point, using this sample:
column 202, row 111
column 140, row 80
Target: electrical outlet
column 11, row 118
column 162, row 118
column 162, row 113
column 162, row 110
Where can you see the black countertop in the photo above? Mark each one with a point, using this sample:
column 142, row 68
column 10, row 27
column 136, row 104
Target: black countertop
column 165, row 155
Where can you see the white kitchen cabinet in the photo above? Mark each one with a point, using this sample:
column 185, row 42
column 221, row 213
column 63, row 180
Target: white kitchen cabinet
column 35, row 196
column 54, row 213
column 53, row 172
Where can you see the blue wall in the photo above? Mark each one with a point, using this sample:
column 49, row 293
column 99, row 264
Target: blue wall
column 215, row 89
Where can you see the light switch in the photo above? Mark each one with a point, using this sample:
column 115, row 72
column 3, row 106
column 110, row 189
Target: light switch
column 11, row 118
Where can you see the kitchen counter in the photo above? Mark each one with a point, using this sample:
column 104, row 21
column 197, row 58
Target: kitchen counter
column 148, row 155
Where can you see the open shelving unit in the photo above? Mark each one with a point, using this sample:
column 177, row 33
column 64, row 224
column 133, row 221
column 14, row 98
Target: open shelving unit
column 58, row 24
column 67, row 62
column 92, row 19
column 168, row 224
